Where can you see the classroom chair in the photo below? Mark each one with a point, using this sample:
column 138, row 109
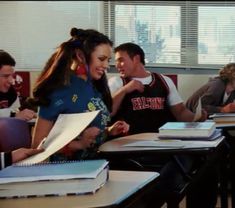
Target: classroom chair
column 14, row 134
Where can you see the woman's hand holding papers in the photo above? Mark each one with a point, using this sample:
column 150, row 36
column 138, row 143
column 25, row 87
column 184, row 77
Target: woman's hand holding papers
column 86, row 140
column 88, row 137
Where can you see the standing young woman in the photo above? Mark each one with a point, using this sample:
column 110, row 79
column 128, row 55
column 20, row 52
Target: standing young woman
column 74, row 81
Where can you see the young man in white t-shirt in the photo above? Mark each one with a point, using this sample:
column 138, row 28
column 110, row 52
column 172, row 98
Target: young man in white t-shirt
column 146, row 101
column 143, row 99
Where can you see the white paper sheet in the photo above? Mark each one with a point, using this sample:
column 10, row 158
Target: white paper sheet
column 156, row 143
column 198, row 112
column 65, row 129
column 174, row 144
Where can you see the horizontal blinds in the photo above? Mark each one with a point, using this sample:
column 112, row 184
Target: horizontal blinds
column 30, row 31
column 187, row 34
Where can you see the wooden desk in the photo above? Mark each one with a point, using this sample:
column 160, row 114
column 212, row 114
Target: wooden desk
column 116, row 146
column 115, row 150
column 121, row 190
column 228, row 168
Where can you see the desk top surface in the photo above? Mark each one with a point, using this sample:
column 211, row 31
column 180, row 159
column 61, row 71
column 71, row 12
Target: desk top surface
column 119, row 145
column 120, row 186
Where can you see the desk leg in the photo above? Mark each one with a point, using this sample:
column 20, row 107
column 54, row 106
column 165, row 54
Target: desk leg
column 232, row 172
column 223, row 180
column 230, row 138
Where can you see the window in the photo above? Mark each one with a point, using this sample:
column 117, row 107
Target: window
column 184, row 34
column 31, row 30
column 216, row 42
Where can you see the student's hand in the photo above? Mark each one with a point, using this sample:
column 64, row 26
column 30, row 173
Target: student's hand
column 133, row 85
column 229, row 108
column 23, row 153
column 86, row 140
column 26, row 114
column 119, row 127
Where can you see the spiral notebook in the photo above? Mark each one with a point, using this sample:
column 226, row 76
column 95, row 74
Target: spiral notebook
column 52, row 171
column 53, row 179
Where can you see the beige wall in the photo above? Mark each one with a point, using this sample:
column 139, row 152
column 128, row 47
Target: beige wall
column 187, row 83
column 33, row 77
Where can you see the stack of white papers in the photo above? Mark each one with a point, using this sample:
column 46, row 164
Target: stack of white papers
column 174, row 144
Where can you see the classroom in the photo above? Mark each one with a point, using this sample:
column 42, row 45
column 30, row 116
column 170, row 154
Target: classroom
column 186, row 41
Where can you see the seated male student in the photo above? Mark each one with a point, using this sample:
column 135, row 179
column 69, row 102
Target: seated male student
column 138, row 93
column 146, row 101
column 9, row 100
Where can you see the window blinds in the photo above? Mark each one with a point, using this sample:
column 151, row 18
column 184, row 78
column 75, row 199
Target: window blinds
column 189, row 34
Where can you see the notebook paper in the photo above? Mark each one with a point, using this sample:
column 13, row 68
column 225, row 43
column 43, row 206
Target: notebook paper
column 66, row 128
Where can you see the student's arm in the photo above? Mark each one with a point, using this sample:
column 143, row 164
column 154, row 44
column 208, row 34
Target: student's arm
column 181, row 113
column 41, row 130
column 13, row 111
column 22, row 153
column 118, row 93
column 177, row 106
column 7, row 158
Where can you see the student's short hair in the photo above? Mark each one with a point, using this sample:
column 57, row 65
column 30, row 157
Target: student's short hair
column 227, row 73
column 132, row 49
column 6, row 59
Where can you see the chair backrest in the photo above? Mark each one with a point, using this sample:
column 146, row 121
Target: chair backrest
column 14, row 133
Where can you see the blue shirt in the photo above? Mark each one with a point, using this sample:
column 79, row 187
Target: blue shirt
column 79, row 96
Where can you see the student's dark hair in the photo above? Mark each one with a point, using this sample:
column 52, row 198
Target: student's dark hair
column 6, row 59
column 57, row 70
column 132, row 49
